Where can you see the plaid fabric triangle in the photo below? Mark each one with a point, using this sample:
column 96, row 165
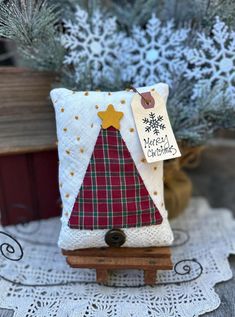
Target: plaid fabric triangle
column 113, row 194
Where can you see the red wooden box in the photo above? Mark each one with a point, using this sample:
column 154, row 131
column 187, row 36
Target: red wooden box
column 28, row 156
column 29, row 187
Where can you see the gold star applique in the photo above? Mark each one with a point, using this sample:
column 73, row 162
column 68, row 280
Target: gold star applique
column 110, row 117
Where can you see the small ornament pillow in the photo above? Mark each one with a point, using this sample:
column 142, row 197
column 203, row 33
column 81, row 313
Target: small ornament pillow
column 111, row 195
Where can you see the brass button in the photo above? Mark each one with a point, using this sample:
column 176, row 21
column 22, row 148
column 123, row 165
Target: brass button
column 115, row 238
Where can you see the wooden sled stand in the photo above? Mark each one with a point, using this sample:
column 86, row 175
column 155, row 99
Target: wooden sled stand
column 107, row 259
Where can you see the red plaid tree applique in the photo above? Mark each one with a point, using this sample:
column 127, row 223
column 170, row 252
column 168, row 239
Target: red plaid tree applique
column 113, row 194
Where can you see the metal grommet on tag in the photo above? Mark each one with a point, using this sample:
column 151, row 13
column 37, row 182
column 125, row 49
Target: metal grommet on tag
column 150, row 100
column 147, row 100
column 115, row 238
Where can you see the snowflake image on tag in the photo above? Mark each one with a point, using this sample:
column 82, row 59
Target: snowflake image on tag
column 154, row 129
column 154, row 123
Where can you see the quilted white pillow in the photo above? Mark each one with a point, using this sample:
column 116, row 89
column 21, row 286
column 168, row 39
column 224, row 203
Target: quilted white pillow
column 78, row 127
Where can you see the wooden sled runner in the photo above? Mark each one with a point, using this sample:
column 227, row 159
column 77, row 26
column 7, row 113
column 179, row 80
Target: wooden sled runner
column 104, row 260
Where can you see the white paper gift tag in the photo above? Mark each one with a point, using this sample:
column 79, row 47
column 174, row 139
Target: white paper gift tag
column 154, row 129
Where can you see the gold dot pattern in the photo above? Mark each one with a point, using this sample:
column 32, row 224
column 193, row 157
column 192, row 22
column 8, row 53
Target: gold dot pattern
column 71, row 174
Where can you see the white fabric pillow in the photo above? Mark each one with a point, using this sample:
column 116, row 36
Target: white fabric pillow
column 78, row 127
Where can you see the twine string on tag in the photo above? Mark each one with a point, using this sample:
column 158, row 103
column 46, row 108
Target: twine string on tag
column 135, row 90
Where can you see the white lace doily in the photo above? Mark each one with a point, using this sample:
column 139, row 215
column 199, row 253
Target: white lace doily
column 40, row 283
